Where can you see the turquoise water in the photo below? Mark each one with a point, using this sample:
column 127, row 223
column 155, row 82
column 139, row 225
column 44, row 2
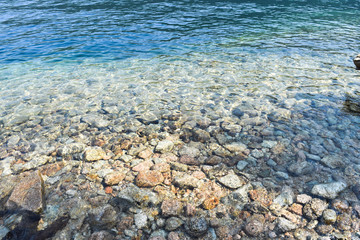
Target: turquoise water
column 287, row 64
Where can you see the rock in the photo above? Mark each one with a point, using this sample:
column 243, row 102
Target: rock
column 164, row 146
column 71, row 149
column 114, row 178
column 143, row 166
column 3, row 232
column 357, row 61
column 145, row 154
column 241, row 165
column 261, row 196
column 188, row 160
column 149, row 178
column 232, row 181
column 179, row 166
column 213, row 160
column 344, row 221
column 94, row 154
column 173, row 223
column 211, row 203
column 236, row 147
column 255, row 225
column 201, row 135
column 301, row 168
column 303, row 198
column 189, row 151
column 285, row 225
column 329, row 190
column 140, row 220
column 286, row 197
column 161, row 167
column 103, row 217
column 313, row 209
column 173, row 236
column 329, row 216
column 324, row 229
column 333, row 161
column 185, row 181
column 281, row 175
column 28, row 194
column 196, row 226
column 171, row 207
column 101, row 235
column 237, row 112
column 95, row 121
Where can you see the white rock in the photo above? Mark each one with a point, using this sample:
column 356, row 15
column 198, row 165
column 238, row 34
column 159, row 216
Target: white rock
column 164, row 146
column 329, row 190
column 140, row 220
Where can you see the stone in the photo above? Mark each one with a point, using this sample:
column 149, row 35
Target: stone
column 188, row 160
column 196, row 226
column 241, row 165
column 357, row 61
column 201, row 135
column 333, row 161
column 28, row 194
column 171, row 207
column 329, row 216
column 211, row 203
column 237, row 112
column 94, row 154
column 140, row 220
column 213, row 160
column 71, row 149
column 190, row 151
column 314, row 209
column 186, row 181
column 143, row 166
column 145, row 154
column 164, row 146
column 101, row 235
column 232, row 181
column 329, row 190
column 236, row 147
column 324, row 229
column 285, row 198
column 255, row 225
column 149, row 178
column 303, row 198
column 103, row 217
column 114, row 178
column 95, row 121
column 173, row 236
column 161, row 167
column 179, row 166
column 261, row 196
column 301, row 168
column 173, row 223
column 344, row 221
column 285, row 225
column 3, row 232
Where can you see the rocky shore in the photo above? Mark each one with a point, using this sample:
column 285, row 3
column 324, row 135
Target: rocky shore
column 179, row 177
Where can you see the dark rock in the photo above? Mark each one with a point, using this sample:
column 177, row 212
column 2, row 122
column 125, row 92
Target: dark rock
column 28, row 194
column 196, row 226
column 237, row 112
column 201, row 135
column 357, row 61
column 213, row 160
column 102, row 218
column 313, row 209
column 301, row 168
column 102, row 235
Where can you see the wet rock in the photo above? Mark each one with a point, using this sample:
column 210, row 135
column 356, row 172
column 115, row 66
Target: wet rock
column 164, row 146
column 357, row 61
column 173, row 236
column 236, row 147
column 333, row 161
column 188, row 160
column 211, row 203
column 149, row 178
column 261, row 196
column 186, row 181
column 189, row 151
column 103, row 217
column 303, row 198
column 28, row 194
column 324, row 229
column 95, row 121
column 140, row 220
column 71, row 149
column 145, row 154
column 344, row 221
column 232, row 181
column 329, row 190
column 285, row 225
column 143, row 166
column 201, row 135
column 94, row 154
column 179, row 166
column 173, row 223
column 237, row 112
column 255, row 225
column 301, row 168
column 132, row 193
column 5, row 166
column 241, row 165
column 196, row 226
column 101, row 235
column 171, row 207
column 286, row 197
column 213, row 160
column 161, row 167
column 329, row 216
column 314, row 208
column 3, row 232
column 114, row 178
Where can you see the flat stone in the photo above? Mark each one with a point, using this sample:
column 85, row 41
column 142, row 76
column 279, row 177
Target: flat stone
column 232, row 181
column 301, row 168
column 285, row 225
column 189, row 151
column 236, row 147
column 333, row 161
column 241, row 165
column 28, row 194
column 303, row 198
column 164, row 146
column 114, row 178
column 185, row 181
column 94, row 154
column 189, row 160
column 145, row 154
column 143, row 166
column 149, row 178
column 161, row 167
column 329, row 190
column 140, row 220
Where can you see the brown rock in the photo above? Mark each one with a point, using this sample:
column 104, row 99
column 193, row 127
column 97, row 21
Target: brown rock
column 28, row 194
column 126, row 144
column 188, row 160
column 173, row 236
column 143, row 166
column 344, row 222
column 213, row 160
column 145, row 154
column 114, row 178
column 314, row 208
column 161, row 167
column 198, row 175
column 171, row 207
column 211, row 203
column 94, row 154
column 149, row 178
column 260, row 195
column 324, row 229
column 51, row 169
column 296, row 208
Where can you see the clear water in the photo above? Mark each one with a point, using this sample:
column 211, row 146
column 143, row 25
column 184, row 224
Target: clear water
column 61, row 60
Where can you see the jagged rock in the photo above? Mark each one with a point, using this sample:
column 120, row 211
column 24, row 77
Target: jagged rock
column 28, row 194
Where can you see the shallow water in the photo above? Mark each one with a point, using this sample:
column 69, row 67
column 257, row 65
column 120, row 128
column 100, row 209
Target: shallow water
column 287, row 65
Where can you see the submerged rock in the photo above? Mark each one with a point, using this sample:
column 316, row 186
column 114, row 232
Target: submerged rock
column 196, row 226
column 28, row 194
column 328, row 190
column 232, row 181
column 357, row 61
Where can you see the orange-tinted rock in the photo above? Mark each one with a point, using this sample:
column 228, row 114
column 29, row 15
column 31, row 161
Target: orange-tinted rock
column 199, row 174
column 149, row 178
column 28, row 194
column 296, row 208
column 114, row 178
column 51, row 169
column 143, row 166
column 260, row 195
column 125, row 144
column 211, row 203
column 145, row 154
column 94, row 154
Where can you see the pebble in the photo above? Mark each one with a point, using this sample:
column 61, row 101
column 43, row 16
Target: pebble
column 173, row 223
column 164, row 146
column 149, row 178
column 236, row 147
column 186, row 181
column 171, row 207
column 285, row 225
column 196, row 226
column 114, row 178
column 333, row 161
column 94, row 154
column 329, row 190
column 301, row 168
column 329, row 216
column 241, row 165
column 140, row 220
column 357, row 61
column 255, row 225
column 303, row 198
column 232, row 181
column 314, row 208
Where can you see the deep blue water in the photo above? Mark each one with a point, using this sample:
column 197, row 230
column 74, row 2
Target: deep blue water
column 53, row 30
